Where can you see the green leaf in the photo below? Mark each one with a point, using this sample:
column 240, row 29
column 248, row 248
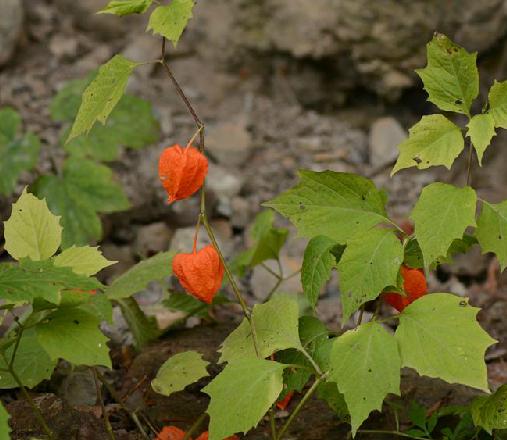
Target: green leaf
column 19, row 153
column 481, row 130
column 179, row 371
column 369, row 263
column 439, row 336
column 32, row 230
column 328, row 391
column 337, row 205
column 458, row 246
column 318, row 262
column 491, row 230
column 413, row 256
column 32, row 364
column 433, row 141
column 156, row 268
column 85, row 189
column 5, row 429
column 451, row 77
column 498, row 103
column 65, row 105
column 96, row 303
column 190, row 305
column 143, row 328
column 84, row 260
column 276, row 328
column 126, row 7
column 102, row 95
column 442, row 214
column 40, row 279
column 170, row 20
column 365, row 364
column 131, row 124
column 490, row 412
column 73, row 334
column 241, row 394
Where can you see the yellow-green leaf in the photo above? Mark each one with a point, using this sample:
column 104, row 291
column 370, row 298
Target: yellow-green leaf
column 179, row 371
column 126, row 7
column 170, row 20
column 490, row 412
column 5, row 429
column 498, row 103
column 85, row 260
column 102, row 95
column 481, row 130
column 32, row 230
column 439, row 336
column 491, row 230
column 433, row 141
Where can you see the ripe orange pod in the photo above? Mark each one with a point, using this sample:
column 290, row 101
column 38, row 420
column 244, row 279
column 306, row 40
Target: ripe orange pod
column 182, row 171
column 414, row 285
column 171, row 433
column 282, row 404
column 200, row 273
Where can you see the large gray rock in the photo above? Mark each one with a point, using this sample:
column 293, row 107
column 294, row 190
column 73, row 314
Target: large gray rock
column 11, row 22
column 385, row 136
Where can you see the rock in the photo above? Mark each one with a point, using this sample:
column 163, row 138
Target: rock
column 224, row 186
column 78, row 387
column 385, row 136
column 262, row 282
column 229, row 142
column 142, row 47
column 152, row 239
column 121, row 254
column 241, row 212
column 11, row 23
column 63, row 46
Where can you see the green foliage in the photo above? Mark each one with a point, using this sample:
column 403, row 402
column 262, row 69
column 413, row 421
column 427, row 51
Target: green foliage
column 439, row 336
column 190, row 305
column 73, row 334
column 481, row 130
column 40, row 279
column 498, row 103
column 328, row 391
column 32, row 230
column 157, row 268
column 241, row 394
column 434, row 140
column 365, row 365
column 143, row 328
column 337, row 205
column 84, row 190
column 65, row 104
column 102, row 95
column 32, row 364
column 5, row 429
column 441, row 215
column 83, row 260
column 170, row 20
column 490, row 412
column 267, row 242
column 318, row 262
column 276, row 328
column 179, row 371
column 491, row 230
column 451, row 77
column 19, row 153
column 126, row 7
column 369, row 263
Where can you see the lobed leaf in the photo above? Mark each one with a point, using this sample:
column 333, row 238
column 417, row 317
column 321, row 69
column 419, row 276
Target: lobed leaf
column 83, row 260
column 433, row 141
column 32, row 230
column 498, row 103
column 365, row 364
column 179, row 371
column 490, row 412
column 439, row 336
column 102, row 95
column 451, row 77
column 491, row 230
column 481, row 130
column 171, row 20
column 232, row 408
column 441, row 215
column 126, row 7
column 337, row 205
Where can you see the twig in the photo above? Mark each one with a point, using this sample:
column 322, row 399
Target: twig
column 115, row 396
column 399, row 434
column 100, row 399
column 272, row 422
column 469, row 163
column 271, row 271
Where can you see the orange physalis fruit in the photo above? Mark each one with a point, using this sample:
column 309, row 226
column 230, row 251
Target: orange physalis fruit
column 204, row 436
column 200, row 273
column 171, row 433
column 282, row 404
column 182, row 171
column 414, row 285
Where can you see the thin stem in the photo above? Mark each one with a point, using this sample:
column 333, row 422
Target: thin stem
column 469, row 163
column 18, row 340
column 300, row 405
column 274, row 289
column 292, row 275
column 123, row 406
column 399, row 434
column 310, row 359
column 192, row 139
column 37, row 412
column 360, row 319
column 197, row 424
column 271, row 271
column 98, row 388
column 272, row 422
